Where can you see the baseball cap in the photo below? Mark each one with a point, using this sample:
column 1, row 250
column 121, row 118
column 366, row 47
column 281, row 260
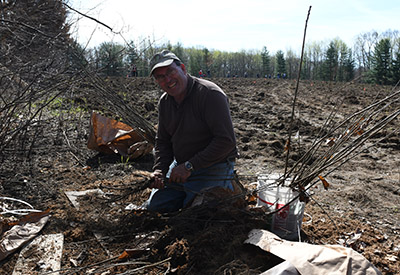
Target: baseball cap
column 162, row 59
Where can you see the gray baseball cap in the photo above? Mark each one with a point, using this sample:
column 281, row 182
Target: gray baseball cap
column 162, row 59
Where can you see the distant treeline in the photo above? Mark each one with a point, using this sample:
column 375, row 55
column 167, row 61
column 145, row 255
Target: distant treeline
column 37, row 34
column 374, row 58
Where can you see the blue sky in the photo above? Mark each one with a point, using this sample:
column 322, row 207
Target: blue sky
column 231, row 25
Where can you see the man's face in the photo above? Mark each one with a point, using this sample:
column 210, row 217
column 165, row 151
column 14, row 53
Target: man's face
column 172, row 79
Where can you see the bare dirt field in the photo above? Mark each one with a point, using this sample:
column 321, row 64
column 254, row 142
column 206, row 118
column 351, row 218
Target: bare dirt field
column 363, row 197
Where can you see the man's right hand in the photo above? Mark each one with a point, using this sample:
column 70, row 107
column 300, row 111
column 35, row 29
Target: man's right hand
column 157, row 180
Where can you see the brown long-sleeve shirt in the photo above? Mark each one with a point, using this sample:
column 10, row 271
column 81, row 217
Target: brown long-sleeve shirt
column 198, row 130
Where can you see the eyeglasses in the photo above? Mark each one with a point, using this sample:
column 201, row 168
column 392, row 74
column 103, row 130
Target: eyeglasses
column 170, row 73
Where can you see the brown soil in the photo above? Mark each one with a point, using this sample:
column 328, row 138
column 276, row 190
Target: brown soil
column 364, row 193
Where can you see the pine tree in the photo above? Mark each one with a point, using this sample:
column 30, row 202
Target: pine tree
column 207, row 60
column 349, row 66
column 330, row 65
column 179, row 51
column 266, row 60
column 132, row 54
column 380, row 72
column 280, row 63
column 395, row 71
column 76, row 57
column 110, row 59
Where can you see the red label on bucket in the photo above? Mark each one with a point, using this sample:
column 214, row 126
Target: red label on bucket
column 284, row 212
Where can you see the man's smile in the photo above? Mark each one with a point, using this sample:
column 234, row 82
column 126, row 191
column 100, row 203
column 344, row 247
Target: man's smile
column 172, row 85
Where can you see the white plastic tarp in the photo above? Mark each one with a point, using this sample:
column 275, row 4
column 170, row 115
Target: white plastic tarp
column 313, row 259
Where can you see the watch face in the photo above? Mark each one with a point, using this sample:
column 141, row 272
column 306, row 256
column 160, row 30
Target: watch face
column 188, row 166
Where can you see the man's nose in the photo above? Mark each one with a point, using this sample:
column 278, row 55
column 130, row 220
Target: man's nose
column 167, row 78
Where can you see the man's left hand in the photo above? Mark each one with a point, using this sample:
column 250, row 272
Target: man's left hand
column 179, row 174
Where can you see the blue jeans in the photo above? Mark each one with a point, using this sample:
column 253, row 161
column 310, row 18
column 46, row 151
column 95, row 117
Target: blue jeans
column 175, row 196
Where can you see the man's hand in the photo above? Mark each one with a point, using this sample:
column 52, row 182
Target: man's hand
column 157, row 180
column 179, row 174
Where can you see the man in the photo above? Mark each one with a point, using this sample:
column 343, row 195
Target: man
column 195, row 144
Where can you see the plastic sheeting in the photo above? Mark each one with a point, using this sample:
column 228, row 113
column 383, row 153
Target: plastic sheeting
column 21, row 232
column 111, row 136
column 311, row 259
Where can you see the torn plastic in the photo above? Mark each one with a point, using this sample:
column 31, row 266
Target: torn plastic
column 21, row 232
column 111, row 136
column 42, row 255
column 73, row 196
column 313, row 259
column 284, row 268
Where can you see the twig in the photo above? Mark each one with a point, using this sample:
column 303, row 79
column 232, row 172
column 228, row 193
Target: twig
column 325, row 212
column 70, row 146
column 27, row 26
column 89, row 17
column 75, row 270
column 295, row 95
column 101, row 268
column 340, row 150
column 146, row 266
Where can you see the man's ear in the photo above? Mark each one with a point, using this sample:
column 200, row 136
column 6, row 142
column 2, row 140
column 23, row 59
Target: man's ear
column 183, row 67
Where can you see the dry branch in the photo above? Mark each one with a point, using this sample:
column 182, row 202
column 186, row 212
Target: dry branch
column 296, row 92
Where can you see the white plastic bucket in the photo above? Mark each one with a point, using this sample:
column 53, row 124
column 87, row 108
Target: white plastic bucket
column 286, row 223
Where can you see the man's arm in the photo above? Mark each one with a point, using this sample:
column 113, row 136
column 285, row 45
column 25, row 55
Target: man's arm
column 163, row 152
column 163, row 158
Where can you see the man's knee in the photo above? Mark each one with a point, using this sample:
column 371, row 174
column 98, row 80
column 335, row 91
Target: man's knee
column 169, row 207
column 166, row 200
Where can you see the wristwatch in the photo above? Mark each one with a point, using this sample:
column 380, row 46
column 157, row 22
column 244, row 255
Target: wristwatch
column 189, row 166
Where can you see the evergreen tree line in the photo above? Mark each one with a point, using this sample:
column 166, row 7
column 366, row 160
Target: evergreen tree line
column 374, row 57
column 36, row 34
